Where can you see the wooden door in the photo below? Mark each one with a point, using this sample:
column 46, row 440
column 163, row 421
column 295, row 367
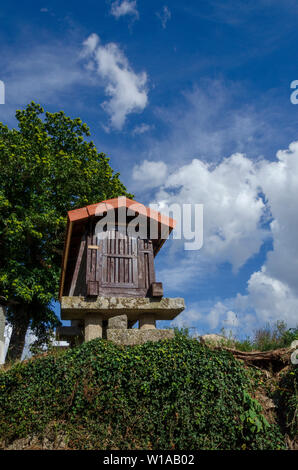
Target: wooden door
column 119, row 261
column 119, row 265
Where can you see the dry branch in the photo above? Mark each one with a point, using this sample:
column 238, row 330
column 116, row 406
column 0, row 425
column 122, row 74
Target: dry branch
column 275, row 359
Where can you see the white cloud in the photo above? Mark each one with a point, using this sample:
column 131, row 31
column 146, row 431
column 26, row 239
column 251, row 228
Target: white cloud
column 239, row 195
column 47, row 74
column 214, row 316
column 189, row 317
column 279, row 180
column 141, row 129
column 273, row 291
column 220, row 315
column 164, row 16
column 271, row 299
column 232, row 204
column 232, row 320
column 90, row 44
column 149, row 174
column 125, row 7
column 232, row 208
column 126, row 89
column 208, row 318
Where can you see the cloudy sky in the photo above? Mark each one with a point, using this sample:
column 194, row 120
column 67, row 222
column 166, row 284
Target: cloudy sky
column 191, row 101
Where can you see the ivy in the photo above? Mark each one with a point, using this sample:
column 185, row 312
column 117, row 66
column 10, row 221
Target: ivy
column 174, row 394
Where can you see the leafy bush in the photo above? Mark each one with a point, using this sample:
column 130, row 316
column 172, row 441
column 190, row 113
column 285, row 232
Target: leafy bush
column 265, row 339
column 174, row 394
column 286, row 397
column 278, row 336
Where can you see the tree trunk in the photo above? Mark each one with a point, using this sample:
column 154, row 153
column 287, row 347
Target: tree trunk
column 2, row 327
column 273, row 360
column 19, row 329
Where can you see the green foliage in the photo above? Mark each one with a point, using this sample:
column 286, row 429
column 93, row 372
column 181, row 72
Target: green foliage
column 252, row 415
column 265, row 339
column 174, row 394
column 184, row 332
column 47, row 168
column 286, row 396
column 275, row 337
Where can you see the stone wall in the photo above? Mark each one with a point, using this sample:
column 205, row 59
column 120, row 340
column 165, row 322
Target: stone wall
column 135, row 336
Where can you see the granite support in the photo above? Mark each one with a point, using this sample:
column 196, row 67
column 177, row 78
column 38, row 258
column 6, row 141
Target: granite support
column 119, row 322
column 93, row 326
column 77, row 307
column 147, row 322
column 113, row 318
column 134, row 336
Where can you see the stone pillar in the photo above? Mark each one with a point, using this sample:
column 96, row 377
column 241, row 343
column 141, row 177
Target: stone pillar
column 2, row 327
column 118, row 323
column 147, row 322
column 93, row 326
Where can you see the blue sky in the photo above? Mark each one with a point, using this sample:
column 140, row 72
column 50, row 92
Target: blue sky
column 191, row 101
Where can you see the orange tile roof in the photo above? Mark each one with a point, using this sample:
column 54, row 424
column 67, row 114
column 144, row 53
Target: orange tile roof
column 116, row 203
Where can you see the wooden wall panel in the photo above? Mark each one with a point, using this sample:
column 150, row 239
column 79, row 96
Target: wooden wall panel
column 114, row 264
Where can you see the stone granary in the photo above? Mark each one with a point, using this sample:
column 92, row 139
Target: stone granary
column 108, row 285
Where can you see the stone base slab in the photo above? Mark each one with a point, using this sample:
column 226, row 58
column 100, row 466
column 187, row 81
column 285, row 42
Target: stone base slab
column 134, row 336
column 118, row 322
column 77, row 307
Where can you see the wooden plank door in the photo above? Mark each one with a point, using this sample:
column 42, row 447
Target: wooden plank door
column 119, row 260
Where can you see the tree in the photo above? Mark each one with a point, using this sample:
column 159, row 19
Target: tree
column 47, row 168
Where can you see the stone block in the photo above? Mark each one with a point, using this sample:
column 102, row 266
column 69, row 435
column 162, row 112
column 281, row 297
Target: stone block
column 215, row 340
column 134, row 307
column 134, row 336
column 118, row 322
column 93, row 327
